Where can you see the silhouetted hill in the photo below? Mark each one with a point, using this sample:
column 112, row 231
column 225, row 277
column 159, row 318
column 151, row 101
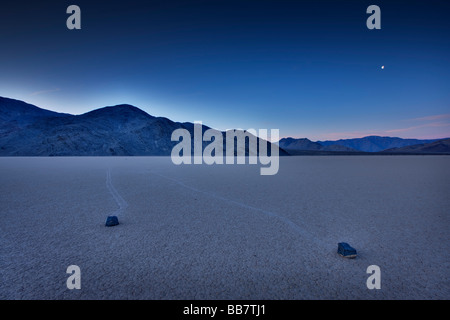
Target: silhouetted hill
column 374, row 143
column 293, row 145
column 122, row 130
column 19, row 112
column 436, row 147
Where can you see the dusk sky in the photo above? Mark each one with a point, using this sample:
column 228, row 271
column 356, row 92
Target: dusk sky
column 308, row 68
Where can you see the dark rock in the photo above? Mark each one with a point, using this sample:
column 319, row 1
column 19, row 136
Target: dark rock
column 346, row 251
column 112, row 221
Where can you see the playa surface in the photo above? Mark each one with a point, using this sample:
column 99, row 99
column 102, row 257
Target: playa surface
column 225, row 231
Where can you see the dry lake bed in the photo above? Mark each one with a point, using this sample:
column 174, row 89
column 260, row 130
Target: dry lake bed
column 225, row 231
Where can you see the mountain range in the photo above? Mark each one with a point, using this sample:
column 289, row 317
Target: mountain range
column 375, row 143
column 366, row 145
column 125, row 130
column 439, row 146
column 122, row 130
column 306, row 144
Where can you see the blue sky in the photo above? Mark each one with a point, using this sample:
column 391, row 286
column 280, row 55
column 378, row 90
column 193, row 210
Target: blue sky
column 308, row 68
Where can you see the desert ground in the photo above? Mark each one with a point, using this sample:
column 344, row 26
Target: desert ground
column 224, row 231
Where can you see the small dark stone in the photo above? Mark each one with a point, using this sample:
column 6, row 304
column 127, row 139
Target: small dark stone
column 111, row 221
column 346, row 251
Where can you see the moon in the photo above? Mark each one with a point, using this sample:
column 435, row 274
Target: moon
column 382, row 67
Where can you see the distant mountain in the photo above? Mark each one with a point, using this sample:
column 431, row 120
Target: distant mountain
column 374, row 143
column 293, row 145
column 299, row 144
column 122, row 130
column 440, row 146
column 366, row 145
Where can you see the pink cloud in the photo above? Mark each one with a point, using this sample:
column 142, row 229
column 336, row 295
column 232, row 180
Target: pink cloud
column 434, row 124
column 432, row 118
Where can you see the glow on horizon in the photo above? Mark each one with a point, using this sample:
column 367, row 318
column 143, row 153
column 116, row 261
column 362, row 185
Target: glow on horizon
column 394, row 133
column 426, row 127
